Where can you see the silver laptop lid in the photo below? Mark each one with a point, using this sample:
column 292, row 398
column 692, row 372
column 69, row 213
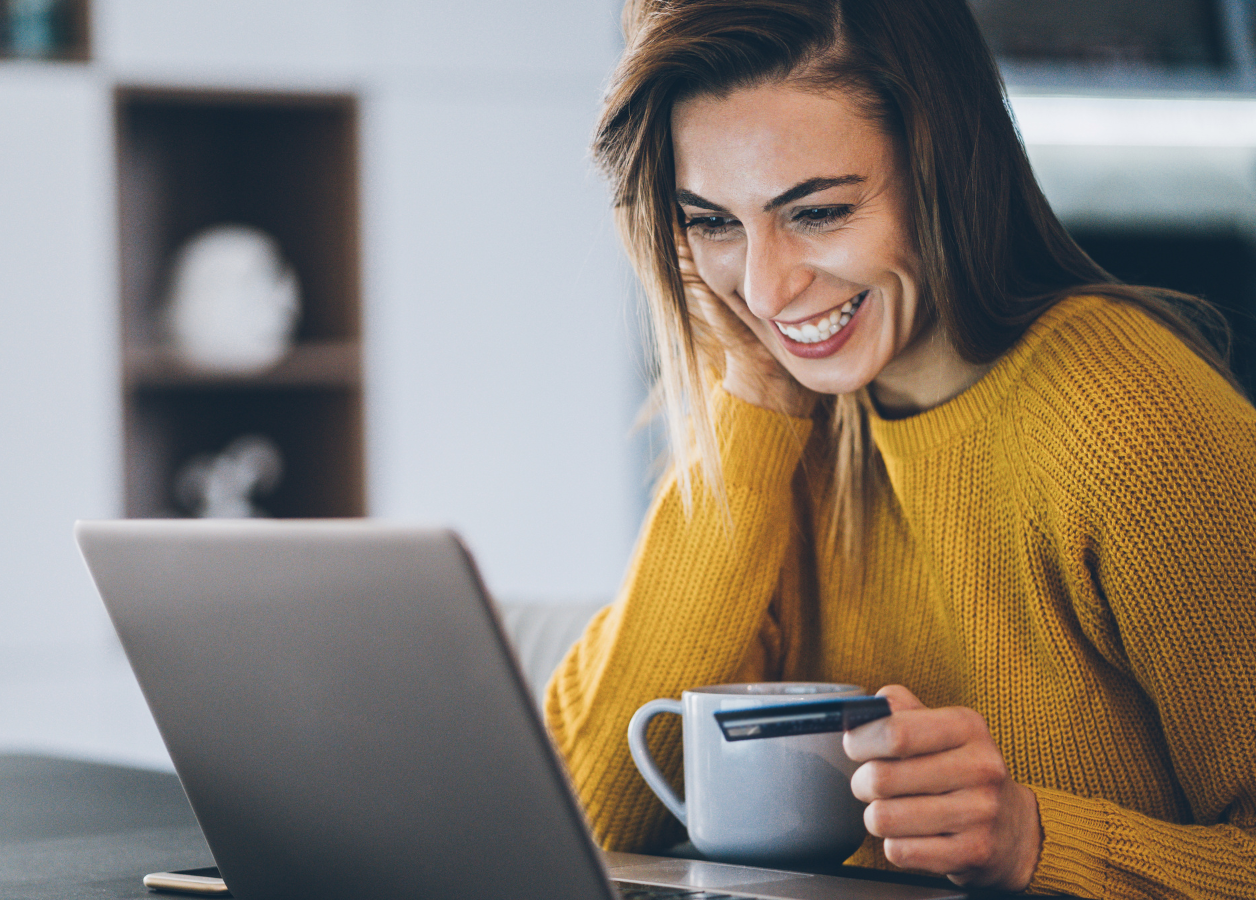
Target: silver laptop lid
column 342, row 709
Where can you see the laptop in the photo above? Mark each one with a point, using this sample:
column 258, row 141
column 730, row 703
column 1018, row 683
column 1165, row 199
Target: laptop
column 348, row 720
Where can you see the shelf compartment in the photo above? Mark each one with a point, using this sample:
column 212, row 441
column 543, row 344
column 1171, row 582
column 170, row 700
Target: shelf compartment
column 317, row 431
column 284, row 163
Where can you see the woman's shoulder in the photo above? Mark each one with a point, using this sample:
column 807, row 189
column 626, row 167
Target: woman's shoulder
column 1106, row 339
column 1102, row 382
column 1092, row 353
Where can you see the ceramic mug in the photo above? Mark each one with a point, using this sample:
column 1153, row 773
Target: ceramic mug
column 770, row 801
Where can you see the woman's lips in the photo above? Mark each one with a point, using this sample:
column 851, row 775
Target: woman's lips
column 820, row 346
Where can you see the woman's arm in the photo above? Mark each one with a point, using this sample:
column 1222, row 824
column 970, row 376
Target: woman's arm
column 1176, row 563
column 694, row 610
column 1164, row 527
column 1094, row 848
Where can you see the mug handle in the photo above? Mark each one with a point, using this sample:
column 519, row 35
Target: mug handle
column 645, row 762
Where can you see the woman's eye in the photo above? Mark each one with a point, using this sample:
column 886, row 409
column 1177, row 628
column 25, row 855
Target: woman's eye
column 710, row 226
column 822, row 216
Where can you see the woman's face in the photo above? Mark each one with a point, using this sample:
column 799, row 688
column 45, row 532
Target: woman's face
column 795, row 207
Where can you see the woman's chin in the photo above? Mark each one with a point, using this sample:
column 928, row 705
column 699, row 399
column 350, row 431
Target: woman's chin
column 830, row 383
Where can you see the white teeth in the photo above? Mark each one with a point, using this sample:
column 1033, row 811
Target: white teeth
column 826, row 327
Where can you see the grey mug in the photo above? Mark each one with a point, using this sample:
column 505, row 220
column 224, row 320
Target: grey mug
column 772, row 801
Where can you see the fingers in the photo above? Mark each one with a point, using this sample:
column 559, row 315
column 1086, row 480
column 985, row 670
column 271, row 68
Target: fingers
column 689, row 274
column 941, row 797
column 900, row 698
column 695, row 286
column 965, row 857
column 984, row 838
column 729, row 327
column 726, row 324
column 923, row 816
column 913, row 732
column 934, row 773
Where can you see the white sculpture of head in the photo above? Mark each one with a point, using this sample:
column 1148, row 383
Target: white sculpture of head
column 233, row 302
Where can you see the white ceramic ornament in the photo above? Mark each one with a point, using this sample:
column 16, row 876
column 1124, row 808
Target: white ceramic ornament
column 223, row 486
column 233, row 302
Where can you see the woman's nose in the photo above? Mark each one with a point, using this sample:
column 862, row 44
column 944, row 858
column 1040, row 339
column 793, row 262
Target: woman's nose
column 775, row 274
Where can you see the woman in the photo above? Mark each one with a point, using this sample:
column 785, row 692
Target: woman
column 924, row 443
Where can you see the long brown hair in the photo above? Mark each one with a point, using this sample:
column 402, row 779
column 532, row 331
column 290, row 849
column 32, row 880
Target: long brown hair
column 994, row 256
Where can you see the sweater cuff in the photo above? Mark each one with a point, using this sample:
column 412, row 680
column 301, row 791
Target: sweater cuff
column 1075, row 845
column 758, row 447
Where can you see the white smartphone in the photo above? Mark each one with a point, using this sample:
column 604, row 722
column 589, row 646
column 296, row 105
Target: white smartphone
column 190, row 881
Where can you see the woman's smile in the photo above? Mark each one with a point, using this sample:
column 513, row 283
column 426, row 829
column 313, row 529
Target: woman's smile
column 823, row 335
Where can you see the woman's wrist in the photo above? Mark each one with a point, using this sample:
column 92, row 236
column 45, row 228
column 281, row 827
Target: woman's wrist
column 759, row 447
column 1029, row 825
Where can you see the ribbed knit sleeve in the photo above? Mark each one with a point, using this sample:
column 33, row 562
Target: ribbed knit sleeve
column 1145, row 464
column 694, row 610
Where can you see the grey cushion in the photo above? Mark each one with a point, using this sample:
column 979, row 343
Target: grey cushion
column 542, row 633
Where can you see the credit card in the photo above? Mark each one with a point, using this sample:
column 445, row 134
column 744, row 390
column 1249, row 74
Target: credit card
column 804, row 717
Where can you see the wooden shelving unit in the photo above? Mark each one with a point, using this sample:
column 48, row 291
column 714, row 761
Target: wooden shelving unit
column 284, row 163
column 69, row 26
column 309, row 364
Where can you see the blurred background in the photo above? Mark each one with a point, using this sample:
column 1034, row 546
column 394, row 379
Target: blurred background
column 349, row 257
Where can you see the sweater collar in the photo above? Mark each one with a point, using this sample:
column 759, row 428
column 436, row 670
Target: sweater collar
column 961, row 414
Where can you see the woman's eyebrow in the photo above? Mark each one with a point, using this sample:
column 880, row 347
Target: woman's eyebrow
column 797, row 192
column 689, row 198
column 811, row 186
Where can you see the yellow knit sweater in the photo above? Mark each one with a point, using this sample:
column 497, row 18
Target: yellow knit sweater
column 1068, row 547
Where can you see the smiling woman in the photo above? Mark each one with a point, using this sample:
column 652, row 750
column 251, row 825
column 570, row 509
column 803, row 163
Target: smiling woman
column 828, row 264
column 921, row 440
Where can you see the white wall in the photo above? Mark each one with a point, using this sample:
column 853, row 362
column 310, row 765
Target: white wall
column 500, row 374
column 501, row 390
column 59, row 409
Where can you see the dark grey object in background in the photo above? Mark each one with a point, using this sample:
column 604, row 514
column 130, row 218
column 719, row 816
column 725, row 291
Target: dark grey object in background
column 1148, row 32
column 1218, row 266
column 1123, row 45
column 47, row 799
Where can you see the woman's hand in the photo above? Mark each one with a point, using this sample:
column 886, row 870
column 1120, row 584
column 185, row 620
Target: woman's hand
column 940, row 795
column 751, row 372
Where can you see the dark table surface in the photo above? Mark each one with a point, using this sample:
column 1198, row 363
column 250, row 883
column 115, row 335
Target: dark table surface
column 71, row 830
column 74, row 830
